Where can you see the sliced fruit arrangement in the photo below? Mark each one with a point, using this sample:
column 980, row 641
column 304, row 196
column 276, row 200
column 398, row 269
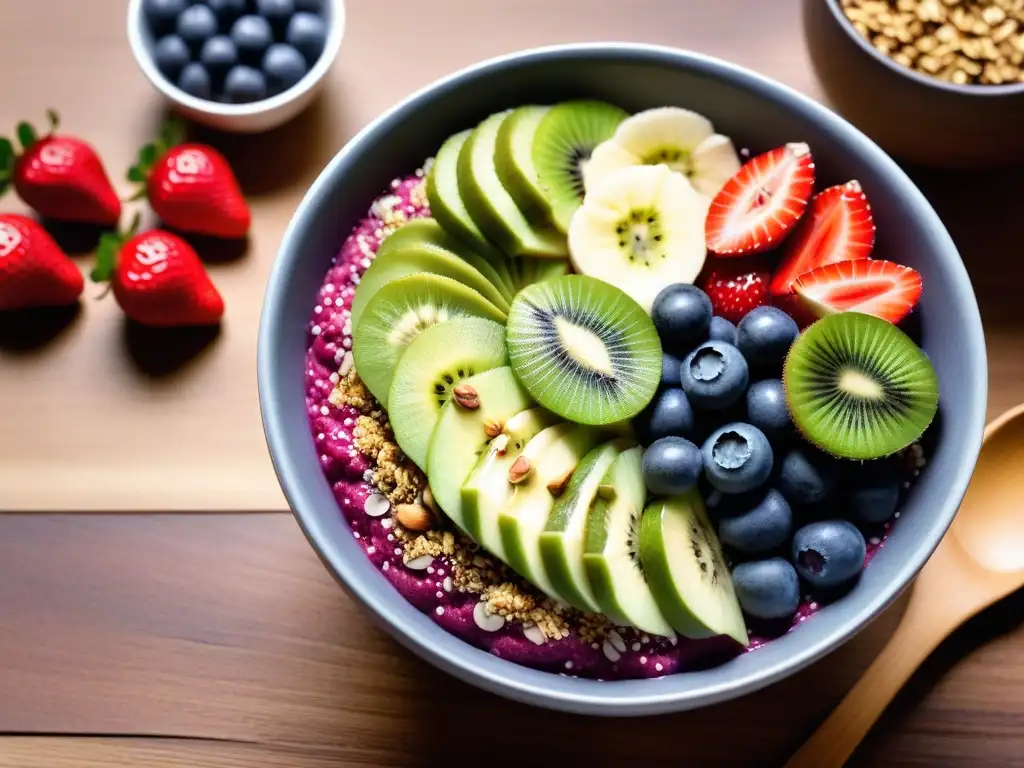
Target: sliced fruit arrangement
column 641, row 229
column 880, row 288
column 679, row 138
column 584, row 349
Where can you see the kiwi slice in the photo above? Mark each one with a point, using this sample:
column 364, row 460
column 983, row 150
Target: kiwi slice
column 461, row 435
column 398, row 312
column 490, row 204
column 416, row 259
column 584, row 349
column 426, row 231
column 611, row 557
column 433, row 364
column 541, row 153
column 686, row 569
column 561, row 543
column 858, row 387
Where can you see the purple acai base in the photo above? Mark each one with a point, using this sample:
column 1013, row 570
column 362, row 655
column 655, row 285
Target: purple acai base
column 625, row 653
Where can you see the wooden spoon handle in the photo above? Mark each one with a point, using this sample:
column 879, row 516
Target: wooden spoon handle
column 835, row 740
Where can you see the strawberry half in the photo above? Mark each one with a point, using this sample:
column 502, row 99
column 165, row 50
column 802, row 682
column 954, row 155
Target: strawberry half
column 736, row 286
column 838, row 227
column 191, row 186
column 157, row 279
column 759, row 206
column 34, row 271
column 880, row 288
column 60, row 177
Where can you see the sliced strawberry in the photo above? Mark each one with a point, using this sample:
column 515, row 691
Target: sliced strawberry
column 838, row 227
column 880, row 288
column 759, row 206
column 736, row 286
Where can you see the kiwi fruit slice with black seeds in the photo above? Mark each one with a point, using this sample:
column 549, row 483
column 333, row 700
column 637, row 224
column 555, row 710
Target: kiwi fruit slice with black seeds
column 433, row 364
column 398, row 312
column 858, row 387
column 584, row 349
column 686, row 570
column 541, row 153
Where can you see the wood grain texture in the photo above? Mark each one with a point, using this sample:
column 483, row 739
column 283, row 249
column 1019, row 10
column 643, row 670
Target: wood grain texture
column 227, row 627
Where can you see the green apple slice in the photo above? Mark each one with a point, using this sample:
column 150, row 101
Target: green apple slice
column 686, row 570
column 610, row 557
column 414, row 260
column 561, row 543
column 434, row 363
column 551, row 455
column 398, row 312
column 450, row 212
column 490, row 204
column 487, row 489
column 460, row 437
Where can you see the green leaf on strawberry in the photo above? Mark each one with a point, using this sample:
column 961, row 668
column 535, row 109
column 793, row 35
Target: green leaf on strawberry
column 6, row 164
column 26, row 135
column 109, row 248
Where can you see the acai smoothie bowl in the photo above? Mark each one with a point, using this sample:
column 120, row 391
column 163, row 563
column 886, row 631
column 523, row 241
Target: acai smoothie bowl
column 618, row 379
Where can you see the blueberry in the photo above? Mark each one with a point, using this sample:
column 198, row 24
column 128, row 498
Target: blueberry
column 668, row 414
column 873, row 491
column 277, row 12
column 807, row 476
column 737, row 458
column 671, row 465
column 767, row 589
column 682, row 315
column 670, row 365
column 283, row 66
column 218, row 55
column 767, row 409
column 829, row 553
column 714, row 375
column 252, row 36
column 245, row 84
column 195, row 80
column 765, row 335
column 171, row 55
column 196, row 25
column 310, row 6
column 227, row 10
column 162, row 15
column 722, row 330
column 308, row 34
column 755, row 522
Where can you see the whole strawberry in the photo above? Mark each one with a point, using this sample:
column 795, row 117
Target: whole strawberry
column 736, row 285
column 157, row 279
column 191, row 186
column 34, row 271
column 61, row 177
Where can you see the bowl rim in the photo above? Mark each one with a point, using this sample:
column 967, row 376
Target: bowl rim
column 583, row 696
column 978, row 91
column 144, row 58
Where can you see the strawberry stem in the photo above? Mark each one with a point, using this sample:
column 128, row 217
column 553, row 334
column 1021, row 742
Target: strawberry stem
column 26, row 135
column 54, row 119
column 108, row 250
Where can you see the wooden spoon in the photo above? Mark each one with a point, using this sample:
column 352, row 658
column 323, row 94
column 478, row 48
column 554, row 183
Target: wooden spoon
column 980, row 561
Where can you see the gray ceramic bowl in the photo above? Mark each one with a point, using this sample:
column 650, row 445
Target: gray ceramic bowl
column 913, row 116
column 758, row 113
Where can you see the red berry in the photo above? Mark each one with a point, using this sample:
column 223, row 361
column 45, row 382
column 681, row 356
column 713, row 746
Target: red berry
column 736, row 285
column 34, row 271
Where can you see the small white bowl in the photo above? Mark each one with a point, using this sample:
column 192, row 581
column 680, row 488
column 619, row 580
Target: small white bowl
column 254, row 117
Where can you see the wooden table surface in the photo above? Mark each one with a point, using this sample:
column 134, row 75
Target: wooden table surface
column 161, row 639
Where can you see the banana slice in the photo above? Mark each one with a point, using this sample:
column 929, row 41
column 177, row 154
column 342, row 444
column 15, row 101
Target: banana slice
column 714, row 162
column 641, row 228
column 681, row 139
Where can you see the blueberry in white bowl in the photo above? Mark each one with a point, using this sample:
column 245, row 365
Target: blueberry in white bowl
column 277, row 12
column 283, row 67
column 195, row 81
column 252, row 37
column 737, row 458
column 682, row 315
column 227, row 10
column 196, row 25
column 767, row 589
column 307, row 33
column 218, row 56
column 755, row 522
column 162, row 15
column 671, row 466
column 245, row 84
column 806, row 475
column 171, row 55
column 765, row 335
column 829, row 553
column 714, row 375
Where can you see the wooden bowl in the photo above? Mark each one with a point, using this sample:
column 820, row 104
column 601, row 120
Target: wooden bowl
column 912, row 116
